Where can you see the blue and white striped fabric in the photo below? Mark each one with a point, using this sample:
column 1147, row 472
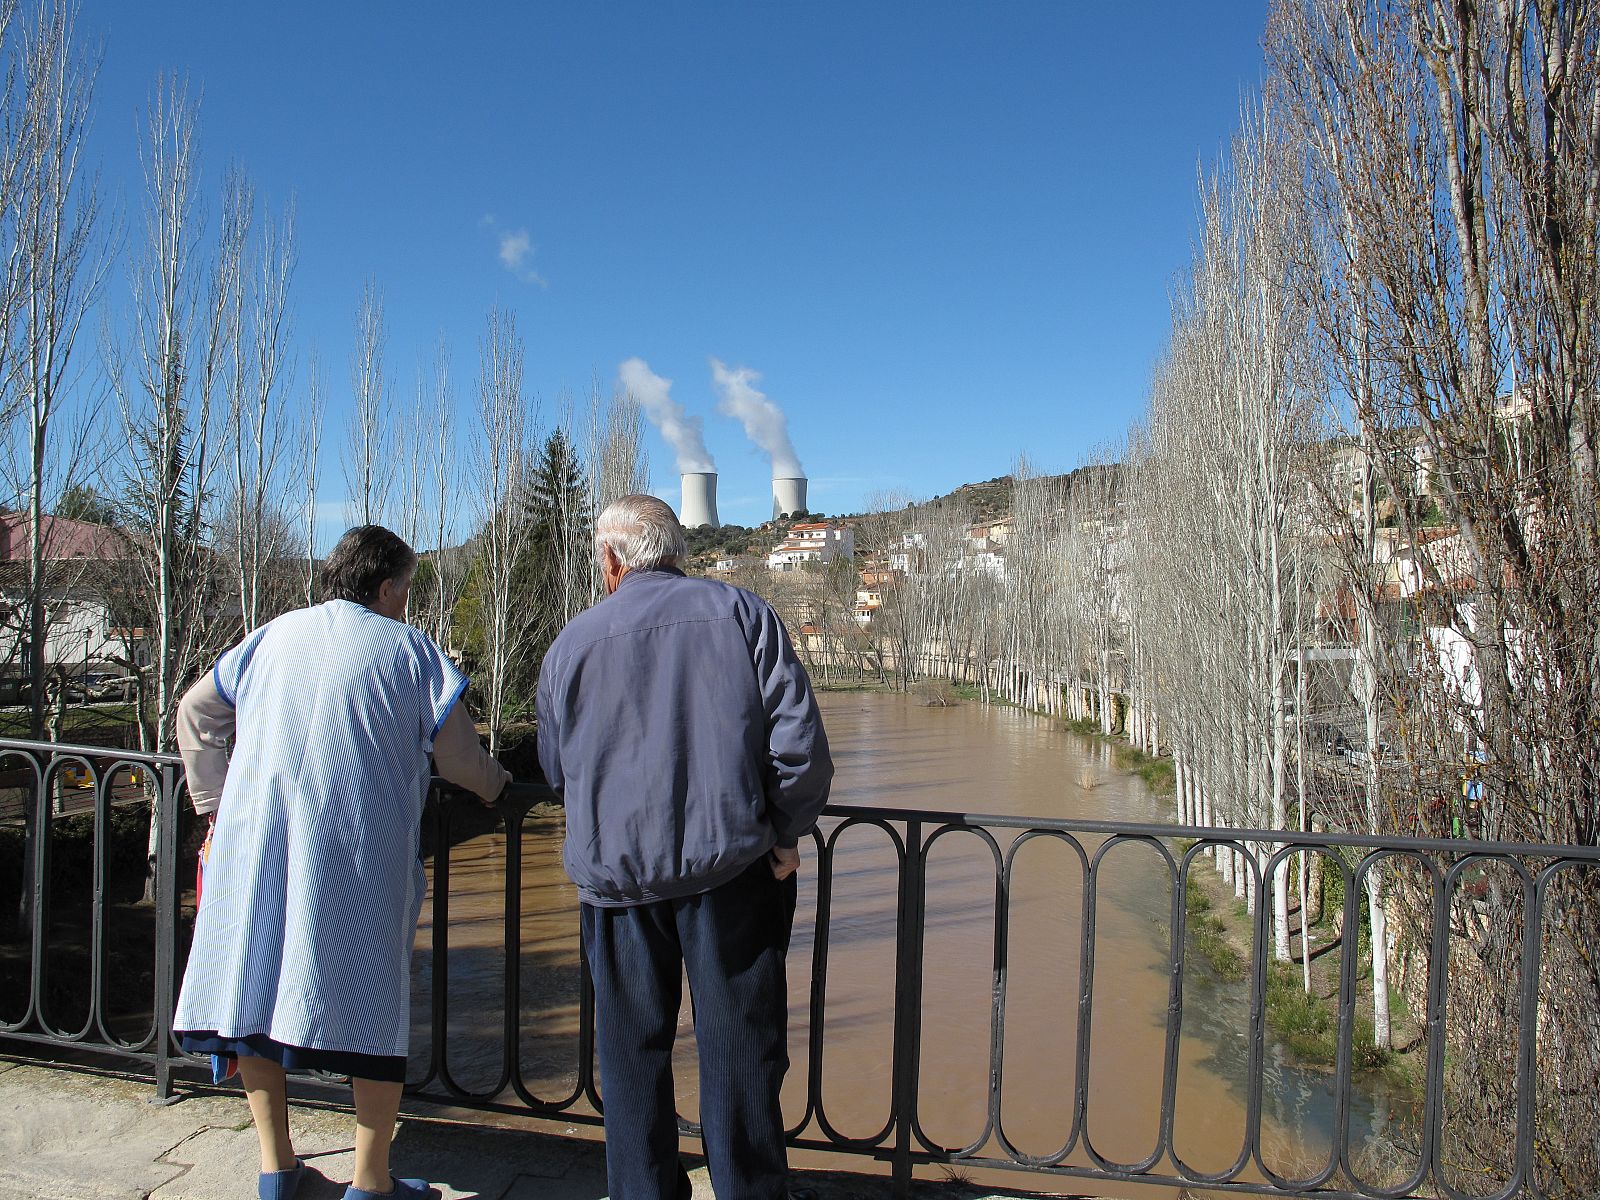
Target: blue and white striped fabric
column 313, row 887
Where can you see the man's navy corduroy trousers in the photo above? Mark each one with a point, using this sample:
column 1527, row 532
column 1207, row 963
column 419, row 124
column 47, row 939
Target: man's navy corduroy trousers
column 732, row 941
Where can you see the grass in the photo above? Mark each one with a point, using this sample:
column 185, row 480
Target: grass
column 1208, row 935
column 1304, row 1023
column 78, row 721
column 1309, row 1025
column 1158, row 773
column 863, row 683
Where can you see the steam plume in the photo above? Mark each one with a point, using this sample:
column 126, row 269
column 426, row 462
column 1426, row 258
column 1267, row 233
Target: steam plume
column 681, row 431
column 764, row 422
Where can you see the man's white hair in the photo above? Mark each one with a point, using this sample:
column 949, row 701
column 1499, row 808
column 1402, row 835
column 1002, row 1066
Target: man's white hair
column 642, row 531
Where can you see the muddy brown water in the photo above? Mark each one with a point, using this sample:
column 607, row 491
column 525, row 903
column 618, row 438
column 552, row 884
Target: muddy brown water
column 893, row 752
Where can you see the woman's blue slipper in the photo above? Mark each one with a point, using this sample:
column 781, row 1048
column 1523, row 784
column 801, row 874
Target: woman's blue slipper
column 280, row 1185
column 404, row 1189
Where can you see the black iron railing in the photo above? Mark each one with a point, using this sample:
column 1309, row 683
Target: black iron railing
column 43, row 785
column 1461, row 885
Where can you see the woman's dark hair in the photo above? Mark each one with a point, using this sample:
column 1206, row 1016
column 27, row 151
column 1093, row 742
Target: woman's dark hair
column 364, row 557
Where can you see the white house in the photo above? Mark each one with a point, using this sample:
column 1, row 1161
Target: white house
column 908, row 554
column 812, row 543
column 79, row 624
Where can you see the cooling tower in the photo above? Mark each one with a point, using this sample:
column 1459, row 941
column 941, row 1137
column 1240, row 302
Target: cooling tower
column 699, row 499
column 788, row 497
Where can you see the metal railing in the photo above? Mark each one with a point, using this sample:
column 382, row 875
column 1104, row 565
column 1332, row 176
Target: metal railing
column 1451, row 876
column 40, row 773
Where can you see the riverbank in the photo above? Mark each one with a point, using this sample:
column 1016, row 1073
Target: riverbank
column 935, row 693
column 1306, row 1021
column 1157, row 771
column 1221, row 933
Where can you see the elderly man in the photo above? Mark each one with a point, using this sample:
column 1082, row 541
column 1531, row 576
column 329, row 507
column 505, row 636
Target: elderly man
column 683, row 734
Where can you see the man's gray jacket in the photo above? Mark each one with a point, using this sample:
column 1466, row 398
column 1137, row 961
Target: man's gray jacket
column 682, row 733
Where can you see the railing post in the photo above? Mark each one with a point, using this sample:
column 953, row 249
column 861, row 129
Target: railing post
column 907, row 1004
column 439, row 981
column 166, row 818
column 35, row 875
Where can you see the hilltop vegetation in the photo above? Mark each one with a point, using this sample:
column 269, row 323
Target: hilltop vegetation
column 989, row 500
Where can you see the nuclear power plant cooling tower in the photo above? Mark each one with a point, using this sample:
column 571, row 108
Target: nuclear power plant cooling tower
column 699, row 499
column 788, row 497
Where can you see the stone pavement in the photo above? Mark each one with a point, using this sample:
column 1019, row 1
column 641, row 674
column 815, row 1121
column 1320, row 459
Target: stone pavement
column 71, row 1135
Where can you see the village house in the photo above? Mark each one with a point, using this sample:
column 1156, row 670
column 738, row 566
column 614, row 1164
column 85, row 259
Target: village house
column 983, row 554
column 908, row 554
column 83, row 635
column 997, row 532
column 812, row 543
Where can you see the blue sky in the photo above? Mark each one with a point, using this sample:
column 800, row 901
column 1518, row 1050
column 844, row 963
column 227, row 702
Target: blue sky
column 942, row 233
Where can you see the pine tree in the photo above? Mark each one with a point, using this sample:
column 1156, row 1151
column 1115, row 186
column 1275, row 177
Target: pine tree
column 554, row 566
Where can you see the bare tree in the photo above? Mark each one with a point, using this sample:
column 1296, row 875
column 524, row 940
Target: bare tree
column 166, row 381
column 310, row 453
column 258, row 335
column 1451, row 154
column 13, row 148
column 414, row 460
column 59, row 263
column 368, row 463
column 449, row 567
column 501, row 476
column 617, row 463
column 165, row 386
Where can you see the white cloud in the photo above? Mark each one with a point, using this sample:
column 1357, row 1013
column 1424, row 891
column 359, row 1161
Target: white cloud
column 516, row 250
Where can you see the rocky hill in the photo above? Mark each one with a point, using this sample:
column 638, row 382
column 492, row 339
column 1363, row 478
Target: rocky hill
column 991, row 499
column 976, row 502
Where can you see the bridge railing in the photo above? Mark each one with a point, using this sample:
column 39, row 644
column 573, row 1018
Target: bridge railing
column 121, row 993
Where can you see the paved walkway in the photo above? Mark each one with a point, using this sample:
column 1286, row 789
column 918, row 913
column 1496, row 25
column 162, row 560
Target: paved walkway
column 69, row 1135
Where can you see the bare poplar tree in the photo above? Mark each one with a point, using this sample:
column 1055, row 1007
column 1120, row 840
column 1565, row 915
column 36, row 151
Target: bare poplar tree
column 620, row 465
column 617, row 463
column 1452, row 160
column 259, row 330
column 501, row 477
column 449, row 566
column 177, row 356
column 58, row 263
column 310, row 453
column 13, row 147
column 165, row 382
column 414, row 462
column 368, row 462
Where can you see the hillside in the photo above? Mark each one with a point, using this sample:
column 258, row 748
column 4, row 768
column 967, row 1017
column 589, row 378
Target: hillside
column 975, row 502
column 991, row 499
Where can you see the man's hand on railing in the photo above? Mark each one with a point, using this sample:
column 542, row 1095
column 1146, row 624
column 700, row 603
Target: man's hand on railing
column 785, row 861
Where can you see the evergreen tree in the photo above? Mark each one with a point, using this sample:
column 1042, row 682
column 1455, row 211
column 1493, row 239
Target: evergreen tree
column 555, row 565
column 81, row 502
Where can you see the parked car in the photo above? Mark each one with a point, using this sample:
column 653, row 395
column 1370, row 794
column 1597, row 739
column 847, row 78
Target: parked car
column 1330, row 739
column 98, row 686
column 115, row 687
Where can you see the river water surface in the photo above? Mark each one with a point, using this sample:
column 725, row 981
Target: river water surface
column 891, row 751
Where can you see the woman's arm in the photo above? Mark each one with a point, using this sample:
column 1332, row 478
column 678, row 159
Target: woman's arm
column 461, row 758
column 205, row 723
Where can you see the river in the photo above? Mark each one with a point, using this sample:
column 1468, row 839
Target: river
column 891, row 751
